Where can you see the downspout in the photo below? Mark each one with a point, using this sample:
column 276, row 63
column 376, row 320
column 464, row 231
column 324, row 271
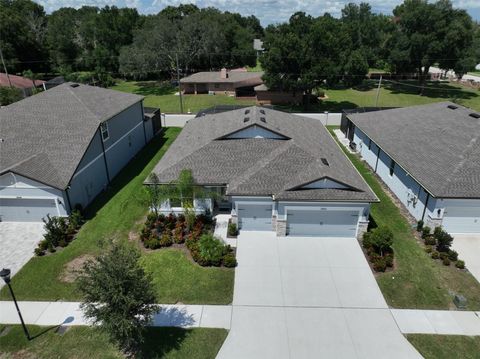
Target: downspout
column 68, row 199
column 426, row 205
column 378, row 156
column 143, row 123
column 104, row 158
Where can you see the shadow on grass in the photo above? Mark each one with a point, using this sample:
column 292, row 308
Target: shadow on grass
column 131, row 170
column 154, row 88
column 440, row 90
column 321, row 106
column 159, row 341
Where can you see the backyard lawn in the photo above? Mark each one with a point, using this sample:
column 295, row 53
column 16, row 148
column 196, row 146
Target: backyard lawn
column 418, row 281
column 88, row 343
column 113, row 215
column 162, row 94
column 446, row 346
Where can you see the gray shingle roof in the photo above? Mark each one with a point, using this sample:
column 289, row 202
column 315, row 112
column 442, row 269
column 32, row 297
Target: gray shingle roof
column 45, row 136
column 438, row 146
column 261, row 166
column 234, row 77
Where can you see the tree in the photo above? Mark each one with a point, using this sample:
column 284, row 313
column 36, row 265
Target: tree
column 29, row 74
column 355, row 69
column 381, row 239
column 9, row 95
column 429, row 33
column 118, row 295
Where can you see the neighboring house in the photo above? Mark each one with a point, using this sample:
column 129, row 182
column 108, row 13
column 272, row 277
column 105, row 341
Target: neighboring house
column 235, row 83
column 58, row 80
column 22, row 83
column 266, row 96
column 275, row 172
column 62, row 147
column 429, row 156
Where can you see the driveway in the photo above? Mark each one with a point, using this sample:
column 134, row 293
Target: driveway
column 307, row 297
column 468, row 248
column 17, row 242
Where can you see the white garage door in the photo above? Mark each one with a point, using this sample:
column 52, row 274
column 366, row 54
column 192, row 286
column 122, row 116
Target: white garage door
column 462, row 220
column 26, row 210
column 322, row 223
column 255, row 217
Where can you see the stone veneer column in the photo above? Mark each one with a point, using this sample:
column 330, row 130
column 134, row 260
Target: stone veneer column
column 274, row 223
column 234, row 219
column 281, row 227
column 433, row 222
column 362, row 228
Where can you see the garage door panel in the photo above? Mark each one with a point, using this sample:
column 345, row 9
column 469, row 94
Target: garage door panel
column 26, row 210
column 462, row 220
column 322, row 223
column 255, row 217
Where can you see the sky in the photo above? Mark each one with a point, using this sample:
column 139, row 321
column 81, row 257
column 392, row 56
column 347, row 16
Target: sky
column 268, row 11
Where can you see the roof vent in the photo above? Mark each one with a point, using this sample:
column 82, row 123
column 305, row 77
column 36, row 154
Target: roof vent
column 74, row 85
column 262, row 112
column 246, row 119
column 247, row 112
column 325, row 161
column 263, row 119
column 474, row 115
column 452, row 107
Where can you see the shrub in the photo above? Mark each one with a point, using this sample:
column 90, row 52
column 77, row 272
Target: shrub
column 437, row 231
column 166, row 240
column 430, row 240
column 428, row 249
column 381, row 239
column 460, row 264
column 43, row 244
column 178, row 233
column 443, row 255
column 211, row 249
column 379, row 265
column 232, row 230
column 419, row 226
column 151, row 219
column 56, row 229
column 452, row 255
column 75, row 220
column 444, row 241
column 229, row 260
column 145, row 233
column 62, row 243
column 367, row 240
column 181, row 218
column 39, row 252
column 435, row 255
column 446, row 261
column 153, row 242
column 389, row 260
column 426, row 231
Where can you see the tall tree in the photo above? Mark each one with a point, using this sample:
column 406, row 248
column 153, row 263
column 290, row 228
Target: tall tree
column 429, row 33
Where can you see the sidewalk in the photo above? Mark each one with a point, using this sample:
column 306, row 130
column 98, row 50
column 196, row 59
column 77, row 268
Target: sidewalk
column 409, row 321
column 69, row 313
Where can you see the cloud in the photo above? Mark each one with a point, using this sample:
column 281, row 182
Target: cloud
column 268, row 11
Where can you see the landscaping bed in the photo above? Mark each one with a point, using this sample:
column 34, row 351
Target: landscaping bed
column 87, row 343
column 446, row 346
column 416, row 281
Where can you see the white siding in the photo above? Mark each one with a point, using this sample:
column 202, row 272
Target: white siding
column 256, row 132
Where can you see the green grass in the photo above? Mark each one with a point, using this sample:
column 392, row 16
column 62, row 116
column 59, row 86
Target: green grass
column 474, row 73
column 446, row 346
column 161, row 94
column 178, row 279
column 90, row 343
column 418, row 281
column 256, row 68
column 114, row 214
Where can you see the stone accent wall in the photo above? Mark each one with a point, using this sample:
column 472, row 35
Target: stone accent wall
column 281, row 228
column 433, row 222
column 234, row 219
column 362, row 228
column 274, row 223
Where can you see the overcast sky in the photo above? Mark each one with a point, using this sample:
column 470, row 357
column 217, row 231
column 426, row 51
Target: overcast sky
column 268, row 11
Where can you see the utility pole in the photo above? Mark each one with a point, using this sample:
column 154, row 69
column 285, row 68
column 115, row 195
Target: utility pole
column 378, row 91
column 179, row 87
column 5, row 68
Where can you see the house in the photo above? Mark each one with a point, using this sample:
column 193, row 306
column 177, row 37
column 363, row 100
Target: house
column 266, row 96
column 273, row 171
column 62, row 147
column 22, row 83
column 234, row 83
column 429, row 156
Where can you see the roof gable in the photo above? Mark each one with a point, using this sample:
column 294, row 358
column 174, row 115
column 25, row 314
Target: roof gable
column 254, row 131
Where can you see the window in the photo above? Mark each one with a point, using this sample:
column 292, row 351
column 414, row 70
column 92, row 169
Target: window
column 104, row 130
column 175, row 202
column 392, row 167
column 217, row 86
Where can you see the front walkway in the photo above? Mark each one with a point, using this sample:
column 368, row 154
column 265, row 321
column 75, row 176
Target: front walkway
column 468, row 248
column 17, row 242
column 307, row 297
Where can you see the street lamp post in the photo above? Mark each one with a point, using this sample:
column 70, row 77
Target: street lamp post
column 5, row 274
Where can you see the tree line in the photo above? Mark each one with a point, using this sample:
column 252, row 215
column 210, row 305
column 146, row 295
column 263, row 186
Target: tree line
column 298, row 55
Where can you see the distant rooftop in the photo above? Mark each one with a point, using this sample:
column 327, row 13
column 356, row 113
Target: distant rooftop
column 18, row 81
column 234, row 77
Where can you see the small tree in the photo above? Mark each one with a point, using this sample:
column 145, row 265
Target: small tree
column 381, row 239
column 118, row 295
column 444, row 240
column 155, row 193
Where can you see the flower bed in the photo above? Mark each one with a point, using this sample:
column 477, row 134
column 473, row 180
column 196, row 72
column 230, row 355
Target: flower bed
column 195, row 233
column 378, row 246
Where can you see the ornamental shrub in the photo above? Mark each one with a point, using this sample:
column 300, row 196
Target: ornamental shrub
column 452, row 255
column 381, row 239
column 426, row 231
column 460, row 264
column 165, row 240
column 232, row 230
column 229, row 260
column 379, row 265
column 444, row 241
column 430, row 240
column 419, row 226
column 446, row 262
column 428, row 249
column 435, row 255
column 211, row 249
column 389, row 260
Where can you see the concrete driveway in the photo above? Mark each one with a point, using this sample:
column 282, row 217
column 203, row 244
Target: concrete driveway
column 307, row 297
column 17, row 242
column 468, row 248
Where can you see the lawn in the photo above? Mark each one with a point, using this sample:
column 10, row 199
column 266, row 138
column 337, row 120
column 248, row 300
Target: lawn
column 88, row 343
column 114, row 214
column 418, row 281
column 446, row 346
column 162, row 94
